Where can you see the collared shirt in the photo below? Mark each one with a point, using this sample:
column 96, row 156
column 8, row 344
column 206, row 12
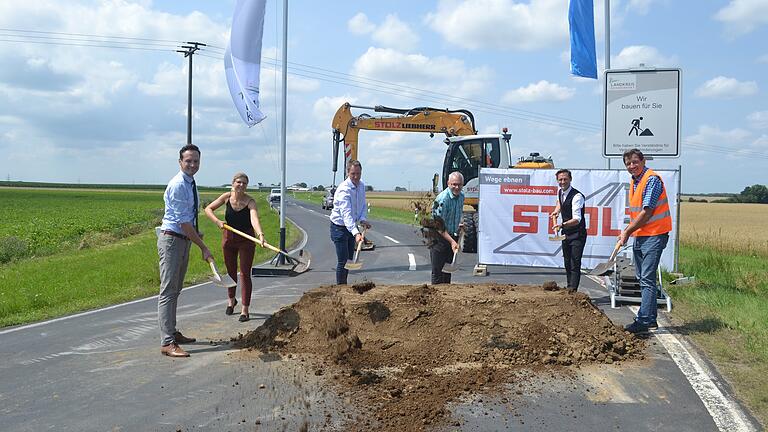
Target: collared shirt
column 179, row 203
column 450, row 208
column 349, row 205
column 652, row 190
column 576, row 204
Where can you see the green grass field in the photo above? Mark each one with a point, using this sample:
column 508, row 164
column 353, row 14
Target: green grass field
column 99, row 263
column 40, row 222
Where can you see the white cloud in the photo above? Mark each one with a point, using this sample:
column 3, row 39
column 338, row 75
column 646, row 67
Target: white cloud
column 763, row 58
column 743, row 16
column 758, row 119
column 416, row 71
column 501, row 24
column 726, row 88
column 360, row 25
column 735, row 138
column 537, row 92
column 88, row 89
column 393, row 33
column 165, row 80
column 634, row 55
column 325, row 107
column 761, row 143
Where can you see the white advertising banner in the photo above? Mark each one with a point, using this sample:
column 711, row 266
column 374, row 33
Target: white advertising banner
column 514, row 215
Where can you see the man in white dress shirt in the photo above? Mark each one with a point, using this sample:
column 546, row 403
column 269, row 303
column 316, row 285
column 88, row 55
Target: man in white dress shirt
column 349, row 210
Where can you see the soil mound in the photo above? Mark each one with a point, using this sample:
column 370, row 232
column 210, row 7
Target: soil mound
column 403, row 352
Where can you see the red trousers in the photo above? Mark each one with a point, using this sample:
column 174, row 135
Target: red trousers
column 235, row 246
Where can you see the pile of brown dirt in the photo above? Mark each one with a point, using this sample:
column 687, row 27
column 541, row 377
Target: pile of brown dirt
column 403, row 352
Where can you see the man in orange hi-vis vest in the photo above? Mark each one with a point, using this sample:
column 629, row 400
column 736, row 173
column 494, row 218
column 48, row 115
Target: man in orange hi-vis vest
column 651, row 222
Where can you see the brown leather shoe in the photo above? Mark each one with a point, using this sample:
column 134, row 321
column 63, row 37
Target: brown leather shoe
column 173, row 350
column 181, row 339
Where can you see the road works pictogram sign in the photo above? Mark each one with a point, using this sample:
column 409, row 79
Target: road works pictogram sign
column 642, row 110
column 515, row 206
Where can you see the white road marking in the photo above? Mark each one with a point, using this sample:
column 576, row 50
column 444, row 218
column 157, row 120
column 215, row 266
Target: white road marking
column 725, row 412
column 411, row 261
column 391, row 239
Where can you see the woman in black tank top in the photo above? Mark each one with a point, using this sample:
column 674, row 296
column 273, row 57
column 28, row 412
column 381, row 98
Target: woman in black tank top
column 242, row 215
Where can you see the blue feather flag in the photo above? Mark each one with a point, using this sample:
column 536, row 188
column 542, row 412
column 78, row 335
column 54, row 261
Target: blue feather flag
column 582, row 24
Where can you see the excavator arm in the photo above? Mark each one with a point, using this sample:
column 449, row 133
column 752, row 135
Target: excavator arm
column 346, row 126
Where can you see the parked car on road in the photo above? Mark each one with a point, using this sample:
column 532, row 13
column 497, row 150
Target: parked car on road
column 274, row 195
column 328, row 200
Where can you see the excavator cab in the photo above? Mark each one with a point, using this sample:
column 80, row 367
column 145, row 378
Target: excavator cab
column 468, row 155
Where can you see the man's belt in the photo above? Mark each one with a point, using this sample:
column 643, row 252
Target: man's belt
column 174, row 234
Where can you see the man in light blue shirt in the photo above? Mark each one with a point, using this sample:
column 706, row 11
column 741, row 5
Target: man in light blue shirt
column 177, row 232
column 448, row 207
column 349, row 210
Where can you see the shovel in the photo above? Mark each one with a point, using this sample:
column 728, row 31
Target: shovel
column 603, row 269
column 453, row 265
column 301, row 267
column 222, row 281
column 557, row 237
column 356, row 264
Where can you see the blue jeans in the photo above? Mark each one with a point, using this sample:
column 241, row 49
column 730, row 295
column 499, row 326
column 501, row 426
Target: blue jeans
column 647, row 254
column 345, row 249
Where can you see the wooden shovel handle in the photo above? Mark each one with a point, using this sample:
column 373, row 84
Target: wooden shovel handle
column 252, row 238
column 214, row 270
column 615, row 251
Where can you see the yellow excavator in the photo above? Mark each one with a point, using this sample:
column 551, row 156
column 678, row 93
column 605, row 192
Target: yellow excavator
column 467, row 151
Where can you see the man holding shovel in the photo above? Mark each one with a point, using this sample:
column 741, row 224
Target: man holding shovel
column 650, row 224
column 177, row 232
column 448, row 206
column 570, row 205
column 349, row 210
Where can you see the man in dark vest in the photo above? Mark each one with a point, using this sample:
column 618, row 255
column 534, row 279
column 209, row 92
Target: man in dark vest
column 570, row 206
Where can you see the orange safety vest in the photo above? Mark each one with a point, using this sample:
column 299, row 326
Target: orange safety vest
column 661, row 220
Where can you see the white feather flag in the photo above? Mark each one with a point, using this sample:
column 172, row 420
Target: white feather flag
column 242, row 59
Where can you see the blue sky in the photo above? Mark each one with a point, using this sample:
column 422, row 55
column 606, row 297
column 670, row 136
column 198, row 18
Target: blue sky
column 114, row 115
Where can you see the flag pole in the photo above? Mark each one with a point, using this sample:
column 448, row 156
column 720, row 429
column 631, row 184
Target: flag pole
column 280, row 258
column 607, row 50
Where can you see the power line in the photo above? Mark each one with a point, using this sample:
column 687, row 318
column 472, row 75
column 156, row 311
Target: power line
column 88, row 35
column 77, row 39
column 327, row 75
column 89, row 45
column 452, row 98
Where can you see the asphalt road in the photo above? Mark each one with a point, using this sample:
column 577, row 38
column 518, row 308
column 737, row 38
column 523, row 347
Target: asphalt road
column 102, row 370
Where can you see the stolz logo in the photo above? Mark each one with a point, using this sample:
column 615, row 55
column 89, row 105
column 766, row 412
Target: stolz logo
column 599, row 217
column 622, row 82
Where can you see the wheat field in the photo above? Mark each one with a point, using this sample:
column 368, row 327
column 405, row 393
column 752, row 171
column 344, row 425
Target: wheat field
column 726, row 227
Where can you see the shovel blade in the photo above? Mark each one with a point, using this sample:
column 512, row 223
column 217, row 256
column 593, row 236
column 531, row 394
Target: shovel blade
column 224, row 281
column 450, row 267
column 352, row 265
column 453, row 265
column 602, row 269
column 304, row 262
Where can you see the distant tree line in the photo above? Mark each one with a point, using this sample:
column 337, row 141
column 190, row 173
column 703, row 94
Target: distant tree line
column 751, row 194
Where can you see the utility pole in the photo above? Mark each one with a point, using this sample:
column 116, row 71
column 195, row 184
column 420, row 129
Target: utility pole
column 188, row 50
